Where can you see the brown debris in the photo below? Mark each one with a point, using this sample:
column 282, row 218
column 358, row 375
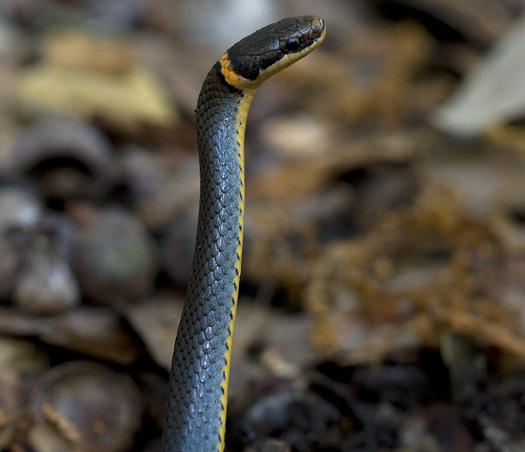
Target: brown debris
column 386, row 284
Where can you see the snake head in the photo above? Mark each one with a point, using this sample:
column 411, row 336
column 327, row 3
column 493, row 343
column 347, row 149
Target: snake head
column 272, row 48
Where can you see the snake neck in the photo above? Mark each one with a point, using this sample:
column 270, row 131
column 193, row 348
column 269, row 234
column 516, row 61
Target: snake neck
column 201, row 361
column 221, row 156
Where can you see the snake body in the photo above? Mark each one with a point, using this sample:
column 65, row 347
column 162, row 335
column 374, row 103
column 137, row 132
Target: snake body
column 198, row 387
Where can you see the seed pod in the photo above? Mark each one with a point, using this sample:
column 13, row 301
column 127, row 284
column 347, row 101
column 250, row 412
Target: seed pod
column 46, row 285
column 115, row 257
column 85, row 407
column 21, row 363
column 44, row 282
column 64, row 159
column 19, row 211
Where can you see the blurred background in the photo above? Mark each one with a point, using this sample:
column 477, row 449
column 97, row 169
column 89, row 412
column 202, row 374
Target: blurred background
column 382, row 303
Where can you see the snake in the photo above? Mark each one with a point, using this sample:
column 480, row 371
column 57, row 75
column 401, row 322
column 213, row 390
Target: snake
column 195, row 419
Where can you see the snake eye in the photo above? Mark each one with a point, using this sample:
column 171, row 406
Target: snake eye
column 292, row 45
